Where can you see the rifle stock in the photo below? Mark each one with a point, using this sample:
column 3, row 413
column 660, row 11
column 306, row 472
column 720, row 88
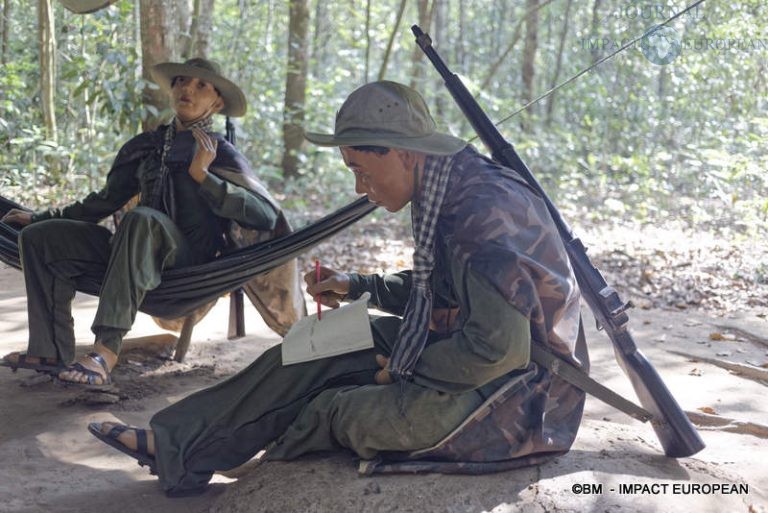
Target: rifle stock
column 675, row 432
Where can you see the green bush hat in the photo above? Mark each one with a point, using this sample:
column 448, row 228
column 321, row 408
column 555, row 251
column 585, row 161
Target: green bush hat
column 234, row 99
column 391, row 115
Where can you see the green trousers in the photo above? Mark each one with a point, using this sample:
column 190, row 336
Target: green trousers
column 56, row 253
column 324, row 404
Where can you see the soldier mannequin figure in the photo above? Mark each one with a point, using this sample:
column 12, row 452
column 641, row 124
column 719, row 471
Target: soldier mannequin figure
column 193, row 184
column 490, row 275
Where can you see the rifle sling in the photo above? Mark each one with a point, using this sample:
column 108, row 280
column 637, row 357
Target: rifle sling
column 578, row 378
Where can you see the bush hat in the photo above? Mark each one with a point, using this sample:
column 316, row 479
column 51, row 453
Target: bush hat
column 391, row 115
column 86, row 6
column 234, row 99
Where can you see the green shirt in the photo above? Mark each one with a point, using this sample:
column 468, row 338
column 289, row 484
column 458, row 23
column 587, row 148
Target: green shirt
column 492, row 340
column 200, row 207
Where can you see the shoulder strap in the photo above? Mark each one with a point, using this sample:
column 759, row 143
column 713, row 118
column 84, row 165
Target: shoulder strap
column 578, row 378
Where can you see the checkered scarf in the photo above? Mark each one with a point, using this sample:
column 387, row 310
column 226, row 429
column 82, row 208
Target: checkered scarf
column 424, row 214
column 162, row 196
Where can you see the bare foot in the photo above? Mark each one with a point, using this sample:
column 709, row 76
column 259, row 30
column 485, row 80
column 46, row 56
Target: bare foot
column 128, row 437
column 101, row 377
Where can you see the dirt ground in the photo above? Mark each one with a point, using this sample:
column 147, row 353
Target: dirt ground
column 714, row 365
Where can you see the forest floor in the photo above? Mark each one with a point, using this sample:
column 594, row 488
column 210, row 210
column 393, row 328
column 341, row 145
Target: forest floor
column 702, row 301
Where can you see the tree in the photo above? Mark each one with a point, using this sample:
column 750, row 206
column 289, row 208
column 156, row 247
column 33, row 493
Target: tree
column 158, row 37
column 425, row 20
column 558, row 62
column 5, row 18
column 47, row 45
column 529, row 51
column 594, row 29
column 391, row 40
column 367, row 39
column 295, row 86
column 200, row 30
column 513, row 40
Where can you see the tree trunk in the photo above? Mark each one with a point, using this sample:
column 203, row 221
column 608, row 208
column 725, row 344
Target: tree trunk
column 460, row 52
column 529, row 51
column 158, row 35
column 47, row 43
column 367, row 38
column 320, row 37
column 268, row 25
column 512, row 42
column 200, row 29
column 4, row 22
column 391, row 41
column 180, row 11
column 295, row 86
column 594, row 33
column 438, row 28
column 558, row 62
column 425, row 20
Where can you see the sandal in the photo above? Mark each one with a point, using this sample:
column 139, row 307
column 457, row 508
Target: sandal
column 141, row 454
column 91, row 375
column 49, row 365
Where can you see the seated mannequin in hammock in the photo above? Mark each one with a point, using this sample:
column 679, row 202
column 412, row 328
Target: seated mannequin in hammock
column 199, row 198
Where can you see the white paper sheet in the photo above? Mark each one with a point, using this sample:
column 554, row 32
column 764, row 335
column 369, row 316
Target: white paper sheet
column 343, row 330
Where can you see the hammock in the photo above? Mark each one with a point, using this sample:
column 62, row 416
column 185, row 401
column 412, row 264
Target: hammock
column 183, row 290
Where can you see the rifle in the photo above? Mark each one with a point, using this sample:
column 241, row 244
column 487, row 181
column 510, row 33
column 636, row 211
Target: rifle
column 675, row 432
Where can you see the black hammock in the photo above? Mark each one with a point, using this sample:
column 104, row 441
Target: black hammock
column 183, row 290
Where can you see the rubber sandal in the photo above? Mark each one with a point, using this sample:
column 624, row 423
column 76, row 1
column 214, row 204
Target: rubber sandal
column 91, row 375
column 141, row 453
column 49, row 365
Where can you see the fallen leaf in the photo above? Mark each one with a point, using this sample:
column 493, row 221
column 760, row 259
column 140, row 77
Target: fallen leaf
column 716, row 336
column 708, row 410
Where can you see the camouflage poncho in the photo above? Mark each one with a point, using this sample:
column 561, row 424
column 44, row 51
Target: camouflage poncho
column 494, row 222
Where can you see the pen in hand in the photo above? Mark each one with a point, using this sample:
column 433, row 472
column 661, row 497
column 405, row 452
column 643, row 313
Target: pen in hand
column 317, row 297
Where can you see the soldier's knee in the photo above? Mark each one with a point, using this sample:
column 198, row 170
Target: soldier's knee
column 138, row 214
column 34, row 234
column 344, row 411
column 138, row 219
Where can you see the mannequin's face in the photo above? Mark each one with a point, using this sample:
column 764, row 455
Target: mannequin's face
column 193, row 99
column 388, row 179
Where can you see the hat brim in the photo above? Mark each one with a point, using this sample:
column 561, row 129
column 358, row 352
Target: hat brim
column 234, row 99
column 433, row 144
column 86, row 6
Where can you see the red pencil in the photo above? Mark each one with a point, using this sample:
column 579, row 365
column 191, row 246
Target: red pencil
column 317, row 297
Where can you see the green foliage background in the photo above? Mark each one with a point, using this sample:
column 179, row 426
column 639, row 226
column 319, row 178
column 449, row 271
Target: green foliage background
column 684, row 143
